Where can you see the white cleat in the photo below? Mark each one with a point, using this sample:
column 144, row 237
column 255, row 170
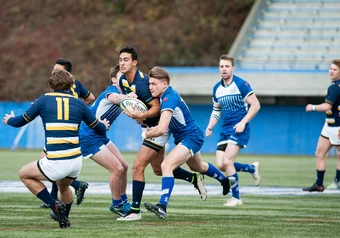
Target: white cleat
column 333, row 186
column 199, row 185
column 256, row 174
column 131, row 217
column 233, row 202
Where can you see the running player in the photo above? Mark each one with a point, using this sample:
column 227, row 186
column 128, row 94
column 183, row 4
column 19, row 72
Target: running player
column 136, row 84
column 189, row 138
column 237, row 103
column 61, row 114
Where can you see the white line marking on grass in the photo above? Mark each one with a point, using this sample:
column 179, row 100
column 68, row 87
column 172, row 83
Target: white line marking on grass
column 179, row 189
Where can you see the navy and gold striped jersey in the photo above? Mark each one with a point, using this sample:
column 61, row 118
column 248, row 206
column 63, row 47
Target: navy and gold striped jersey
column 79, row 91
column 333, row 98
column 61, row 114
column 140, row 86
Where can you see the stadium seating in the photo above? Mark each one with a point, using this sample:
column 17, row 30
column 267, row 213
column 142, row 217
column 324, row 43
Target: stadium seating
column 291, row 35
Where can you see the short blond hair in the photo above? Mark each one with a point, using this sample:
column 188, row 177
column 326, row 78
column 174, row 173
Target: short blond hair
column 160, row 74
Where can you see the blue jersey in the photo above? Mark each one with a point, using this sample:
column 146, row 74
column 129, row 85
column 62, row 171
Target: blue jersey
column 61, row 114
column 140, row 86
column 232, row 100
column 102, row 108
column 333, row 98
column 182, row 124
column 79, row 91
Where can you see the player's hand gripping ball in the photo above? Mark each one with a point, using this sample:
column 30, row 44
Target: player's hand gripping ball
column 131, row 104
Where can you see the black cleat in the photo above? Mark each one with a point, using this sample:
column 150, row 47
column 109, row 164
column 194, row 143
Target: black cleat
column 53, row 216
column 314, row 188
column 81, row 191
column 226, row 186
column 159, row 209
column 44, row 205
column 60, row 210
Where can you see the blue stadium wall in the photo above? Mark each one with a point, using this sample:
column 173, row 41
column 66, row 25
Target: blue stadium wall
column 276, row 130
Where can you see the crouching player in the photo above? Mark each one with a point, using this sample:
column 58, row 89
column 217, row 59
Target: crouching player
column 61, row 114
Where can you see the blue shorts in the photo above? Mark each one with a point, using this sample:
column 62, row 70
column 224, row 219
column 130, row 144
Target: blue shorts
column 193, row 143
column 92, row 145
column 230, row 136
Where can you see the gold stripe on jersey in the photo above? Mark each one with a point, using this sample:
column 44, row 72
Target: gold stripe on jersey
column 26, row 117
column 63, row 153
column 141, row 74
column 330, row 120
column 93, row 124
column 126, row 85
column 60, row 94
column 61, row 126
column 62, row 140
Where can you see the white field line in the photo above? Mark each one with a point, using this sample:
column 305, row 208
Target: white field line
column 179, row 189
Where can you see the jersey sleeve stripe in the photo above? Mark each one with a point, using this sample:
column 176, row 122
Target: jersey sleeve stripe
column 93, row 124
column 26, row 117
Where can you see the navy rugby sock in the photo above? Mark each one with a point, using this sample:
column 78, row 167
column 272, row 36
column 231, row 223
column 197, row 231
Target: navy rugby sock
column 46, row 197
column 319, row 177
column 137, row 194
column 183, row 174
column 234, row 188
column 75, row 184
column 337, row 176
column 68, row 209
column 54, row 191
column 215, row 173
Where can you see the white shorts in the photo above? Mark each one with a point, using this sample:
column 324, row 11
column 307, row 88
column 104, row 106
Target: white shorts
column 159, row 142
column 58, row 169
column 331, row 133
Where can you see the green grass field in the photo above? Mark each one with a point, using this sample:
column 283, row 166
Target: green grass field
column 313, row 215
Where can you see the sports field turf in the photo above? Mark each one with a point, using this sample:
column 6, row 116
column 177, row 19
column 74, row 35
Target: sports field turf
column 313, row 215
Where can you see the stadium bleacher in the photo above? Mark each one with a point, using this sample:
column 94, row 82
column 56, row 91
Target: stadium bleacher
column 291, row 35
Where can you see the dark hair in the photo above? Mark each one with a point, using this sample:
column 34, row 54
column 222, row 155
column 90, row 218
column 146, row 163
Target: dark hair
column 61, row 80
column 227, row 57
column 66, row 63
column 113, row 72
column 160, row 74
column 130, row 50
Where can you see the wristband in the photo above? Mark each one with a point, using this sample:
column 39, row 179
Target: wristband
column 314, row 108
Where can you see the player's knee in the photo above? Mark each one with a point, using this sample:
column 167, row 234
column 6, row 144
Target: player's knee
column 157, row 171
column 227, row 163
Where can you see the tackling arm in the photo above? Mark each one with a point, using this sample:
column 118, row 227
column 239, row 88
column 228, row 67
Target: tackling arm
column 162, row 126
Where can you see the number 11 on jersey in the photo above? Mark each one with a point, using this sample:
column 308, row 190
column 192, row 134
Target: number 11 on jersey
column 62, row 106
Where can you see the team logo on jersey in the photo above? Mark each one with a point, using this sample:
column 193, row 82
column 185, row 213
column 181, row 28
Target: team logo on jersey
column 165, row 99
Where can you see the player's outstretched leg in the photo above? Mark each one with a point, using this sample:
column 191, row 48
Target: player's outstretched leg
column 158, row 209
column 79, row 189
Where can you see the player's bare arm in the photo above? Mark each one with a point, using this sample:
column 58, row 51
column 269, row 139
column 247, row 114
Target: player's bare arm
column 152, row 112
column 89, row 99
column 215, row 116
column 323, row 107
column 254, row 108
column 162, row 126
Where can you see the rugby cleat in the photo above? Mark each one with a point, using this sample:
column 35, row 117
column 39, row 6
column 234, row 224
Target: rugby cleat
column 80, row 192
column 118, row 210
column 199, row 185
column 233, row 202
column 334, row 186
column 226, row 186
column 256, row 174
column 159, row 209
column 44, row 205
column 314, row 188
column 131, row 217
column 59, row 211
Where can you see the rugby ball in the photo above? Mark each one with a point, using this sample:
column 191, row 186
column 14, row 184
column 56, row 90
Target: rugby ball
column 131, row 104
